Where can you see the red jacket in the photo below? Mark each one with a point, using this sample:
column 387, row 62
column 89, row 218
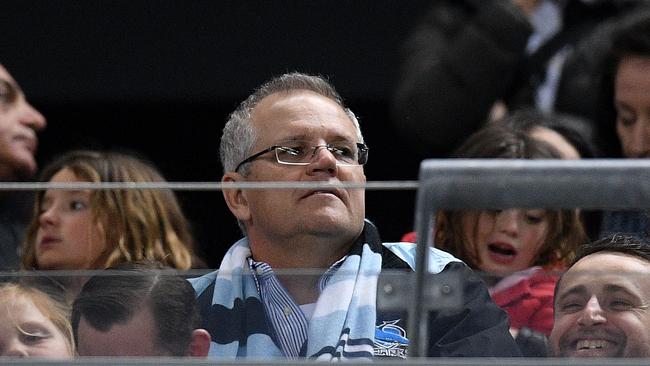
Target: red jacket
column 528, row 299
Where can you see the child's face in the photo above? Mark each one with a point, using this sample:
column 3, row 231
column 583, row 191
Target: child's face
column 507, row 241
column 26, row 332
column 67, row 238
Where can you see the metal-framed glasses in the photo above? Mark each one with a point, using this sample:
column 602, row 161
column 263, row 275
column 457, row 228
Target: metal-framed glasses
column 299, row 153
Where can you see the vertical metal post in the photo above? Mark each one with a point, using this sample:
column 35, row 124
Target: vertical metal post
column 418, row 316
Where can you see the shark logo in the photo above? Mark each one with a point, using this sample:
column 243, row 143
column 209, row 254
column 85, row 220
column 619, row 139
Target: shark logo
column 390, row 340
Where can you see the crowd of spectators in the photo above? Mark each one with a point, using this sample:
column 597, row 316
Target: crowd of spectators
column 516, row 79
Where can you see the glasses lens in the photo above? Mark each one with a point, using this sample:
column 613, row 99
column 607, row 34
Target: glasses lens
column 292, row 155
column 363, row 154
column 302, row 153
column 345, row 154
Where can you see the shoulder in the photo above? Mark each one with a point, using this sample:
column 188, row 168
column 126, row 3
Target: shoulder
column 438, row 259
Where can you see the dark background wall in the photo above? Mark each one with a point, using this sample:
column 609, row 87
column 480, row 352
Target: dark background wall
column 160, row 77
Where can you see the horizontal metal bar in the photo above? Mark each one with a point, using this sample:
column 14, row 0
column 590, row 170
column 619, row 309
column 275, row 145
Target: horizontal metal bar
column 484, row 184
column 402, row 185
column 461, row 361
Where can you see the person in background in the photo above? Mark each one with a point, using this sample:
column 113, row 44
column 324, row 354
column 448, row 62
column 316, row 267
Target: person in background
column 19, row 124
column 601, row 301
column 138, row 310
column 519, row 250
column 572, row 137
column 33, row 324
column 296, row 128
column 624, row 107
column 464, row 59
column 84, row 229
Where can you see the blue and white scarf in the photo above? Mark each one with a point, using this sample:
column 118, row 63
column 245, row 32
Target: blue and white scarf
column 343, row 323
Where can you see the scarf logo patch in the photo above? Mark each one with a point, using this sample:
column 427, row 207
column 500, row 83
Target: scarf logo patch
column 390, row 340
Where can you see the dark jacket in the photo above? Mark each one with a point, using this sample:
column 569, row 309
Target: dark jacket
column 466, row 55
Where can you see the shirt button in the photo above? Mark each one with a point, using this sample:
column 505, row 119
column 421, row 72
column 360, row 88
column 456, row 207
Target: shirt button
column 287, row 311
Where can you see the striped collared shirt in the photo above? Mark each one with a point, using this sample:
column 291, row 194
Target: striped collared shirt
column 287, row 319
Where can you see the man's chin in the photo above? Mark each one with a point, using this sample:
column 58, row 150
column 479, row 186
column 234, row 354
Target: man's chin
column 330, row 226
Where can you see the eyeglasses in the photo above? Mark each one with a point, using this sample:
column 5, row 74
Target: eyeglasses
column 346, row 154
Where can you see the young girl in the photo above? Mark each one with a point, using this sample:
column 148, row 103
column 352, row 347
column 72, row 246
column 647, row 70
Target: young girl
column 520, row 248
column 97, row 229
column 33, row 324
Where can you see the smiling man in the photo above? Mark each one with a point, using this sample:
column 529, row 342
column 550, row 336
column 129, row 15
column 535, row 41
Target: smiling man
column 296, row 128
column 602, row 302
column 19, row 124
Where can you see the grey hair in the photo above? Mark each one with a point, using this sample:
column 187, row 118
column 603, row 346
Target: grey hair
column 239, row 136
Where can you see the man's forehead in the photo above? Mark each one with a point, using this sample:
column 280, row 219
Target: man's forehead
column 611, row 262
column 301, row 112
column 606, row 270
column 295, row 100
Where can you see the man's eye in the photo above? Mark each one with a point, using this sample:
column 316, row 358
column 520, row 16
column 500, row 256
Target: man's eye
column 343, row 151
column 620, row 305
column 295, row 151
column 570, row 306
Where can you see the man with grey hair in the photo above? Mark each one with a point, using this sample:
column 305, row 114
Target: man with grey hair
column 296, row 128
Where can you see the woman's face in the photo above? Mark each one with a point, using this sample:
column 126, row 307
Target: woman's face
column 26, row 332
column 632, row 100
column 67, row 237
column 506, row 240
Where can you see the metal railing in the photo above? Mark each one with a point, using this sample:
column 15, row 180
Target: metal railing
column 493, row 184
column 446, row 184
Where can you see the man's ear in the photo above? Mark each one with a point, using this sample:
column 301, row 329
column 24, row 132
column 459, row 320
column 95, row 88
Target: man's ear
column 236, row 198
column 200, row 343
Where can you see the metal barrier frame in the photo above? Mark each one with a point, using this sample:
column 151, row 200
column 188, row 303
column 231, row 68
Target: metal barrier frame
column 451, row 184
column 507, row 183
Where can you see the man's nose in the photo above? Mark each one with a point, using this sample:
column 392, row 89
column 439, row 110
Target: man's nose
column 592, row 314
column 31, row 117
column 323, row 160
column 507, row 221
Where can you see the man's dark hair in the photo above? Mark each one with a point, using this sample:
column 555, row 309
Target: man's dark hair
column 617, row 243
column 114, row 297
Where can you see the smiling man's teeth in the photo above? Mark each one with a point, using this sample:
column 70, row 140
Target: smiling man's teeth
column 591, row 344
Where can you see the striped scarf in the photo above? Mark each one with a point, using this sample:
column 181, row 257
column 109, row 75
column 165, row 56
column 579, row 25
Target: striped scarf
column 343, row 323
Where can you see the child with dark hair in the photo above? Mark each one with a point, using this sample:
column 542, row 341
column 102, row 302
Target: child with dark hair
column 573, row 137
column 515, row 247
